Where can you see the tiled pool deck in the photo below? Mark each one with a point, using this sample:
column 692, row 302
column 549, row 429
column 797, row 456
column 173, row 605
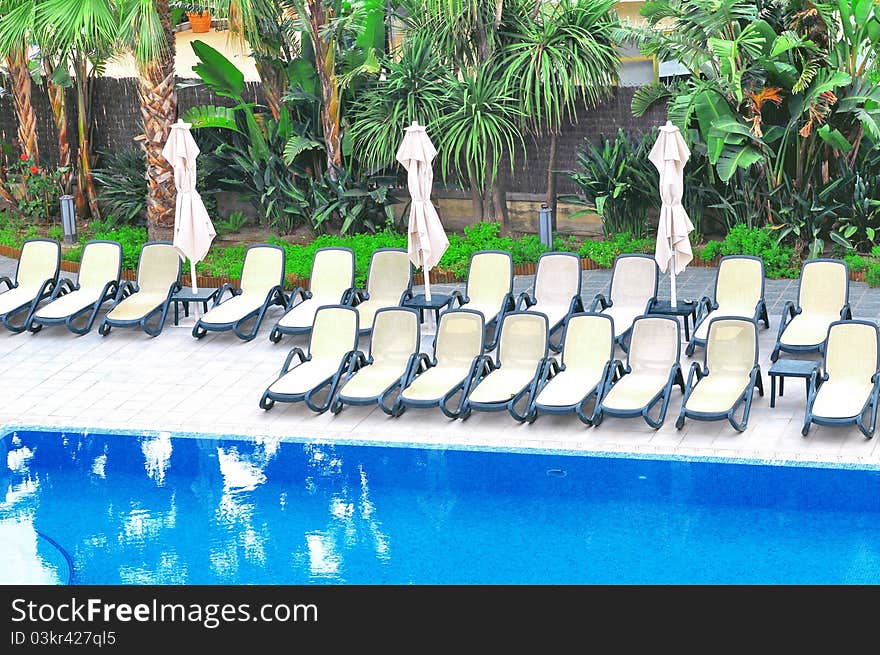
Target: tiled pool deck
column 128, row 381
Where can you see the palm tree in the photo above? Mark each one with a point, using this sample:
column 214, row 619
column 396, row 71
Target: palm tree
column 555, row 58
column 14, row 48
column 146, row 30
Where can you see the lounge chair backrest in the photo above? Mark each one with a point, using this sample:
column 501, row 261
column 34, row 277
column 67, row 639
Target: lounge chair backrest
column 589, row 341
column 557, row 278
column 263, row 269
column 39, row 261
column 395, row 335
column 459, row 337
column 334, row 332
column 158, row 268
column 523, row 340
column 740, row 282
column 633, row 280
column 731, row 346
column 490, row 278
column 851, row 351
column 101, row 263
column 824, row 286
column 390, row 275
column 655, row 345
column 332, row 272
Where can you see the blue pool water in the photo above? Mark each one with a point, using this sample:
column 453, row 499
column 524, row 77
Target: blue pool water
column 127, row 509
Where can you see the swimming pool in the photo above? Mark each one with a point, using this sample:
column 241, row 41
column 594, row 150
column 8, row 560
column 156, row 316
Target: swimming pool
column 163, row 509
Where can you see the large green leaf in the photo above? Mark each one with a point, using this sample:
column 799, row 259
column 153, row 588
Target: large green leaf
column 712, row 108
column 734, row 158
column 296, row 145
column 834, row 138
column 211, row 116
column 217, row 71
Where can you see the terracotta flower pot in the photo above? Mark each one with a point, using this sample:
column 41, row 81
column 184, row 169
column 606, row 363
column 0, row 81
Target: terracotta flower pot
column 199, row 22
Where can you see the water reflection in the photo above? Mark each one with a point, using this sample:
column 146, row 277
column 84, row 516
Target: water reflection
column 157, row 456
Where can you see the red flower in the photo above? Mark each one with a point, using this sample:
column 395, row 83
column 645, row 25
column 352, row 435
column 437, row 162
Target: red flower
column 34, row 170
column 24, row 156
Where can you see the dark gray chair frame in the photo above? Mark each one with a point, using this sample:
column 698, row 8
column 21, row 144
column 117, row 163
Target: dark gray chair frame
column 527, row 299
column 817, row 378
column 275, row 296
column 555, row 366
column 706, row 305
column 600, row 301
column 129, row 287
column 365, row 360
column 347, row 366
column 46, row 290
column 423, row 363
column 700, row 371
column 791, row 309
column 508, row 304
column 279, row 331
column 619, row 370
column 356, row 296
column 487, row 365
column 65, row 286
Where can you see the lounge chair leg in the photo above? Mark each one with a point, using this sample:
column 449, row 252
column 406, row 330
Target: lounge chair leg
column 275, row 335
column 582, row 415
column 34, row 327
column 689, row 349
column 679, row 422
column 198, row 331
column 806, row 428
column 266, row 402
column 597, row 417
column 336, row 407
column 104, row 328
column 397, row 409
column 775, row 354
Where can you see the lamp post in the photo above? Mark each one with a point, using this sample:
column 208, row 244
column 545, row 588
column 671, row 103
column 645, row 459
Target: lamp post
column 545, row 225
column 68, row 219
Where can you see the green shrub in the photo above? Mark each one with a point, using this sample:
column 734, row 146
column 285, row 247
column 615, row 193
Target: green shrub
column 856, row 262
column 779, row 261
column 872, row 274
column 604, row 252
column 131, row 238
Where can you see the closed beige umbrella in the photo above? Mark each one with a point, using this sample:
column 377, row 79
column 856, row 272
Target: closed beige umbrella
column 427, row 240
column 673, row 251
column 193, row 229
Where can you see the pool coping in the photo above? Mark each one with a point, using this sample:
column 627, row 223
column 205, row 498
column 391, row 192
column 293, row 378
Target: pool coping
column 11, row 428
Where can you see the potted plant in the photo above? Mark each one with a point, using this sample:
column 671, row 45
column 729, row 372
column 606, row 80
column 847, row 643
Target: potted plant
column 198, row 15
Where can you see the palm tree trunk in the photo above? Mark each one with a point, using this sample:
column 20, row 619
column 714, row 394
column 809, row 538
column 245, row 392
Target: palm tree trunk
column 59, row 116
column 273, row 87
column 158, row 98
column 86, row 195
column 551, row 181
column 17, row 64
column 325, row 64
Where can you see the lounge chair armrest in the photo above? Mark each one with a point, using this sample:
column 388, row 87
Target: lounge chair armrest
column 294, row 352
column 356, row 359
column 574, row 304
column 553, row 366
column 696, row 370
column 704, row 306
column 354, row 296
column 406, row 295
column 599, row 300
column 525, row 300
column 226, row 286
column 303, row 293
column 846, row 313
column 789, row 311
column 812, row 388
column 63, row 286
column 5, row 280
column 618, row 369
column 460, row 297
column 418, row 363
column 126, row 289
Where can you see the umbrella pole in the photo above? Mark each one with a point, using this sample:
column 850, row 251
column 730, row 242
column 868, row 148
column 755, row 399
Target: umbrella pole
column 427, row 285
column 192, row 273
column 672, row 296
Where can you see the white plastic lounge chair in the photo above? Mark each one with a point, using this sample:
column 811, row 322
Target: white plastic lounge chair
column 633, row 292
column 96, row 283
column 729, row 375
column 489, row 289
column 823, row 297
column 587, row 359
column 330, row 283
column 389, row 284
column 739, row 291
column 848, row 387
column 262, row 285
column 137, row 303
column 458, row 354
column 522, row 357
column 556, row 292
column 36, row 276
column 651, row 370
column 332, row 355
column 394, row 350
